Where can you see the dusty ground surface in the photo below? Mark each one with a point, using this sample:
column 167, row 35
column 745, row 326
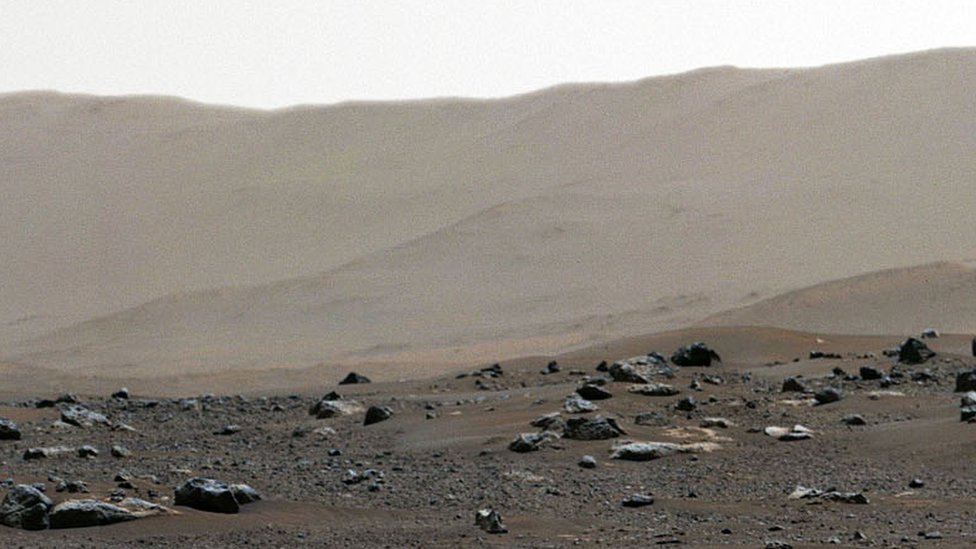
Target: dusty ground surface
column 438, row 471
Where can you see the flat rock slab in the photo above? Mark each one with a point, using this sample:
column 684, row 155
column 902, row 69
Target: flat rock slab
column 81, row 513
column 653, row 389
column 647, row 451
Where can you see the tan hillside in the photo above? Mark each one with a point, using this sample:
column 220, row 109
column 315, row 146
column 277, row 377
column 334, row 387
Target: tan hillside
column 450, row 231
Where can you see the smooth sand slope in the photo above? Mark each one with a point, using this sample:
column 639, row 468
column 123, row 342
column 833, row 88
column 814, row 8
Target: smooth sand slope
column 453, row 231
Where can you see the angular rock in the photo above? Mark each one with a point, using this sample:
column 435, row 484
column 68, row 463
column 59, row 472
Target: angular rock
column 696, row 354
column 930, row 333
column 793, row 385
column 353, row 378
column 653, row 389
column 593, row 392
column 376, row 414
column 119, row 451
column 626, row 372
column 81, row 513
column 913, row 351
column 9, row 430
column 331, row 407
column 548, row 422
column 87, row 451
column 72, row 487
column 596, row 428
column 638, row 500
column 25, row 507
column 207, row 494
column 79, row 416
column 490, row 521
column 576, row 404
column 687, row 404
column 967, row 413
column 531, row 442
column 121, row 394
column 828, row 395
column 550, row 368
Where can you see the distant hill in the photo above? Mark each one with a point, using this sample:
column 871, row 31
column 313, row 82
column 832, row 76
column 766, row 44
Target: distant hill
column 155, row 235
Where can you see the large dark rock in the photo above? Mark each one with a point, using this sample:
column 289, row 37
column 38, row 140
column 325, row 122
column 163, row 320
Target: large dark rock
column 973, row 346
column 597, row 428
column 793, row 385
column 25, row 507
column 9, row 430
column 966, row 381
column 353, row 378
column 869, row 373
column 914, row 351
column 376, row 414
column 828, row 395
column 593, row 392
column 696, row 354
column 550, row 368
column 207, row 494
column 81, row 513
column 79, row 416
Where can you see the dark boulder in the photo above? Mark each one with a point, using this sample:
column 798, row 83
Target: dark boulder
column 828, row 395
column 9, row 430
column 793, row 385
column 550, row 368
column 587, row 462
column 696, row 354
column 207, row 494
column 966, row 381
column 869, row 373
column 25, row 507
column 121, row 394
column 376, row 414
column 353, row 378
column 687, row 404
column 593, row 392
column 597, row 428
column 82, row 513
column 87, row 451
column 914, row 351
column 531, row 442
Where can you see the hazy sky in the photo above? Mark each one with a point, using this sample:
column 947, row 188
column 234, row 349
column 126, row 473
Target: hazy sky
column 277, row 53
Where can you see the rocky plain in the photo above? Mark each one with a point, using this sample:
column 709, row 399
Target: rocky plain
column 753, row 438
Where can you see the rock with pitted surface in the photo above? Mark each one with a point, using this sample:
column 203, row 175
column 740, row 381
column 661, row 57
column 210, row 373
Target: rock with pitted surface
column 531, row 442
column 207, row 494
column 81, row 513
column 596, row 428
column 575, row 404
column 25, row 507
column 79, row 416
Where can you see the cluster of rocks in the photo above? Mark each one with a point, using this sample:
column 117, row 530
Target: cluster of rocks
column 28, row 508
column 207, row 494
